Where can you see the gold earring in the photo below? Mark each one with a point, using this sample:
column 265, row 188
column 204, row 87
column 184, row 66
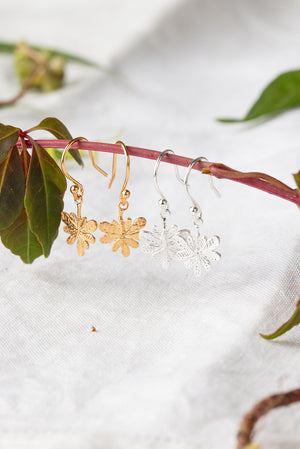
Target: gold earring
column 123, row 233
column 78, row 227
column 114, row 164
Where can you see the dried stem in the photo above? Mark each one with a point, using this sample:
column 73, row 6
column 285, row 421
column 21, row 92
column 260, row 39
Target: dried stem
column 258, row 180
column 24, row 88
column 248, row 422
column 40, row 65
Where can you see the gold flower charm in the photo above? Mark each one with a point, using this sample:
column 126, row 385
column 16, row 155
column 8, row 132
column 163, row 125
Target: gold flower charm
column 124, row 234
column 79, row 229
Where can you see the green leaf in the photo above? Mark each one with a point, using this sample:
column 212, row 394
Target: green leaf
column 281, row 94
column 231, row 120
column 288, row 325
column 53, row 126
column 58, row 130
column 18, row 237
column 55, row 153
column 74, row 58
column 25, row 159
column 21, row 241
column 43, row 197
column 12, row 188
column 9, row 47
column 9, row 136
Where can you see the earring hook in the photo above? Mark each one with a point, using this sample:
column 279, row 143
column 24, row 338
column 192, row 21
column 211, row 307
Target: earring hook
column 195, row 209
column 155, row 174
column 95, row 165
column 113, row 170
column 76, row 189
column 63, row 161
column 114, row 166
column 63, row 165
column 119, row 142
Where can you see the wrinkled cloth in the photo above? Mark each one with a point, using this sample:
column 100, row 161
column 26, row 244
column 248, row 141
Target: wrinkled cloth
column 177, row 360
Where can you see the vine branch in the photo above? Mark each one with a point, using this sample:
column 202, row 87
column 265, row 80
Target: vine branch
column 262, row 408
column 257, row 180
column 24, row 88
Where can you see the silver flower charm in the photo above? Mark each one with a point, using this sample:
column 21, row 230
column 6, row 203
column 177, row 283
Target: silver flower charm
column 162, row 244
column 199, row 252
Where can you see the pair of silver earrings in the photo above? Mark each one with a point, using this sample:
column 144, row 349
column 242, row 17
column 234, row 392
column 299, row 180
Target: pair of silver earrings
column 168, row 243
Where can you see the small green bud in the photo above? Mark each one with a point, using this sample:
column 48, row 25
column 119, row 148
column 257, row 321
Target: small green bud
column 44, row 67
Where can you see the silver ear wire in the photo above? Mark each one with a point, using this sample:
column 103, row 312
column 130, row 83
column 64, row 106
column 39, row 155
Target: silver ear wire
column 163, row 202
column 199, row 251
column 195, row 208
column 169, row 243
column 163, row 243
column 155, row 174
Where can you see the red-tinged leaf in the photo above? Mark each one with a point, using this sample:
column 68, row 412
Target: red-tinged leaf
column 21, row 241
column 45, row 188
column 288, row 325
column 226, row 172
column 58, row 130
column 12, row 188
column 25, row 159
column 9, row 136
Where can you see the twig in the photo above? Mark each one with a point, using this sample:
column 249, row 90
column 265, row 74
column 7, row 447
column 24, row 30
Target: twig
column 40, row 63
column 258, row 180
column 248, row 422
column 24, row 88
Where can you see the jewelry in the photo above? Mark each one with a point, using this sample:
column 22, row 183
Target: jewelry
column 198, row 251
column 163, row 243
column 124, row 233
column 78, row 227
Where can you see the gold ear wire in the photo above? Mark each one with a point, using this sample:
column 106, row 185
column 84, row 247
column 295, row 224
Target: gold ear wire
column 79, row 228
column 124, row 233
column 63, row 166
column 63, row 160
column 114, row 166
column 95, row 165
column 113, row 170
column 119, row 142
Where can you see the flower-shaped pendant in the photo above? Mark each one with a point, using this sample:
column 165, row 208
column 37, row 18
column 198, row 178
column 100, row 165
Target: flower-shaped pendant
column 124, row 234
column 163, row 244
column 80, row 229
column 199, row 252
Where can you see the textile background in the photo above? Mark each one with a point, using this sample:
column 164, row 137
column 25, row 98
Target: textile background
column 176, row 360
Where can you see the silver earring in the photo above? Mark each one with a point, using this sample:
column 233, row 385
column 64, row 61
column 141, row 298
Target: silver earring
column 163, row 243
column 199, row 251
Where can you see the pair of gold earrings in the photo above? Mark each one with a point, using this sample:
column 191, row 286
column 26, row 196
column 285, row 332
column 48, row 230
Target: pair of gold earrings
column 123, row 233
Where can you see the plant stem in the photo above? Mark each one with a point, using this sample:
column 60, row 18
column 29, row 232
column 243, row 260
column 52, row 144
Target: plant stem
column 24, row 88
column 261, row 408
column 260, row 181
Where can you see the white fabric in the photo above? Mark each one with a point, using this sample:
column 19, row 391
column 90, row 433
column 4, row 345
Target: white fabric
column 176, row 360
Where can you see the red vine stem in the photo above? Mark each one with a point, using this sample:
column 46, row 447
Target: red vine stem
column 261, row 408
column 260, row 181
